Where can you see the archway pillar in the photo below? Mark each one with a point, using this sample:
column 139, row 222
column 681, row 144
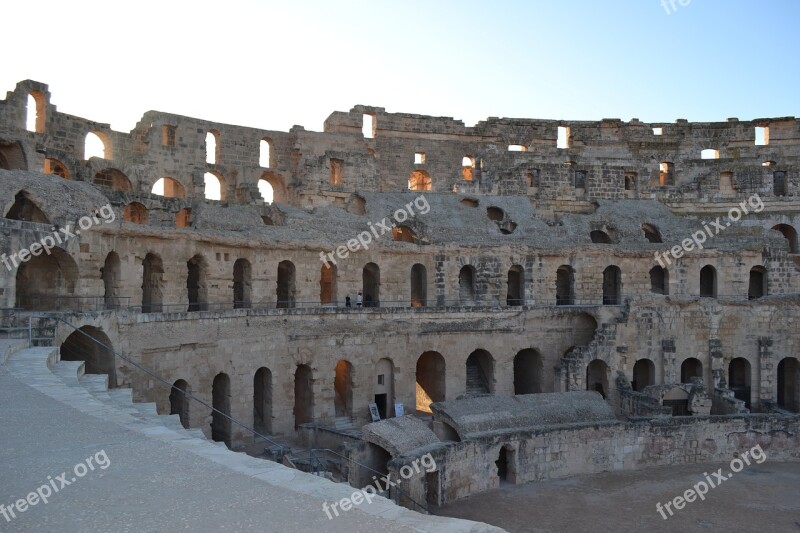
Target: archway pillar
column 767, row 374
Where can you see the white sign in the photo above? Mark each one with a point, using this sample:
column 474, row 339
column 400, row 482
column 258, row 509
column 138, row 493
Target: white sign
column 399, row 410
column 373, row 411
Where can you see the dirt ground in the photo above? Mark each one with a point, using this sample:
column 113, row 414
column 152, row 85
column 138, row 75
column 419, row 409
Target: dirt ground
column 762, row 498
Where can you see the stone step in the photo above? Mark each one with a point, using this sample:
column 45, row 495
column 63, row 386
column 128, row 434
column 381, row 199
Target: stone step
column 95, row 382
column 69, row 371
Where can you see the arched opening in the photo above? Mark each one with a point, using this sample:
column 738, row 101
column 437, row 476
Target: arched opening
column 419, row 286
column 212, row 147
column 262, row 401
column 25, row 209
column 430, row 380
column 285, row 290
column 242, row 284
column 480, row 373
column 135, row 212
column 196, row 283
column 371, row 285
column 708, row 282
column 303, row 395
column 666, row 174
column 404, row 234
column 467, row 167
column 54, row 166
column 35, row 119
column 659, row 280
column 565, row 285
column 691, row 368
column 779, row 183
column 757, row 286
column 92, row 346
column 597, row 377
column 113, row 179
column 651, row 233
column 644, row 374
column 111, row 275
column 272, row 187
column 178, row 402
column 169, row 188
column 600, row 237
column 343, row 390
column 419, row 180
column 495, row 214
column 789, row 384
column 221, row 401
column 790, row 234
column 515, row 294
column 466, row 285
column 384, row 387
column 612, row 286
column 152, row 284
column 12, row 156
column 264, row 156
column 95, row 146
column 584, row 329
column 214, row 186
column 327, row 284
column 739, row 379
column 46, row 282
column 183, row 218
column 528, row 372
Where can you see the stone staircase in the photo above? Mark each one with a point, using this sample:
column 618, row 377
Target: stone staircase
column 476, row 382
column 344, row 424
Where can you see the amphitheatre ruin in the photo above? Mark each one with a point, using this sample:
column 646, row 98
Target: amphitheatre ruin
column 524, row 300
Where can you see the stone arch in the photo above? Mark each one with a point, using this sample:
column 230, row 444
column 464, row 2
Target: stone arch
column 466, row 285
column 57, row 168
column 152, row 283
column 276, row 183
column 600, row 237
column 691, row 367
column 612, row 285
column 651, row 233
column 403, row 233
column 480, row 373
column 644, row 374
column 97, row 144
column 584, row 329
column 419, row 180
column 419, row 286
column 197, row 283
column 213, row 147
column 597, row 377
column 528, row 372
column 565, row 285
column 384, row 388
column 111, row 178
column 285, row 290
column 757, row 284
column 135, row 212
column 111, row 275
column 36, row 119
column 371, row 285
column 659, row 280
column 220, row 416
column 708, row 282
column 430, row 380
column 303, row 395
column 262, row 400
column 343, row 384
column 26, row 209
column 179, row 402
column 328, row 273
column 92, row 346
column 515, row 294
column 215, row 187
column 242, row 284
column 46, row 282
column 790, row 234
column 739, row 376
column 788, row 396
column 168, row 188
column 12, row 156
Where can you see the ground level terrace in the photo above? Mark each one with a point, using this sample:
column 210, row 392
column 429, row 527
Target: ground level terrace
column 280, row 368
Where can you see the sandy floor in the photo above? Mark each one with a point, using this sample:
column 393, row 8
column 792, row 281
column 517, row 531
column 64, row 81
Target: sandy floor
column 762, row 497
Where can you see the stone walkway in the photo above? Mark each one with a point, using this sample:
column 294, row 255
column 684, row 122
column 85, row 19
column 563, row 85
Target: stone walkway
column 157, row 477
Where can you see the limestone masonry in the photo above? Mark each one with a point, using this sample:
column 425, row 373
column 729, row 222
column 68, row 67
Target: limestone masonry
column 534, row 293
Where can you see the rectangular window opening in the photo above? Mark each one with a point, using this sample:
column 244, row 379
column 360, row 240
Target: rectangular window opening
column 563, row 137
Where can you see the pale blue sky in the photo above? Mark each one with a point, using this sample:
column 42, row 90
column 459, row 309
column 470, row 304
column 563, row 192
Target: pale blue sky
column 271, row 65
